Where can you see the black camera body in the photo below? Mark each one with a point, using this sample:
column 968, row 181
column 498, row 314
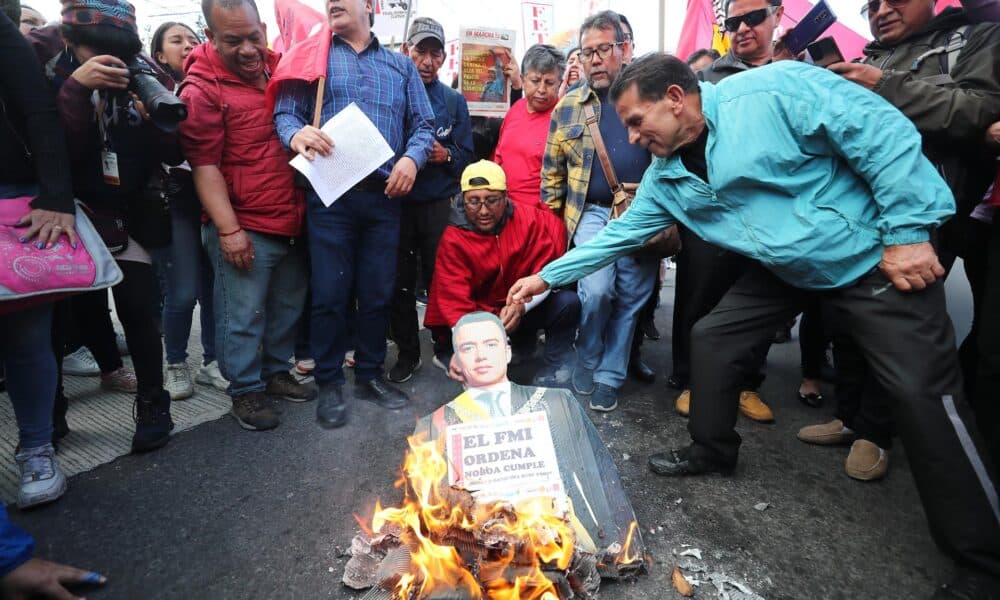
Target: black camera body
column 164, row 108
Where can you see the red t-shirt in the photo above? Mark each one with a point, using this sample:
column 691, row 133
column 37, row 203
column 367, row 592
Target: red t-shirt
column 520, row 150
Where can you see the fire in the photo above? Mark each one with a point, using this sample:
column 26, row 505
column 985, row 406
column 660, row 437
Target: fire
column 626, row 557
column 491, row 550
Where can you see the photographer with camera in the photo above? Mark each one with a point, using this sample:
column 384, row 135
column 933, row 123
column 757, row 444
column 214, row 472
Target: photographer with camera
column 118, row 113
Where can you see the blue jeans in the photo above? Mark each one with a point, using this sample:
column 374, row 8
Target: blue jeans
column 610, row 300
column 187, row 277
column 257, row 309
column 26, row 356
column 353, row 247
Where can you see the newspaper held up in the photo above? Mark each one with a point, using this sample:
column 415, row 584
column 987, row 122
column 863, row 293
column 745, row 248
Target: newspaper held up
column 485, row 53
column 358, row 149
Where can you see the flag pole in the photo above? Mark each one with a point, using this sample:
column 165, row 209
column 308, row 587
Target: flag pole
column 663, row 24
column 406, row 24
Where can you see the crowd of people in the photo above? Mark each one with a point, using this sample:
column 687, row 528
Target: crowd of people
column 843, row 195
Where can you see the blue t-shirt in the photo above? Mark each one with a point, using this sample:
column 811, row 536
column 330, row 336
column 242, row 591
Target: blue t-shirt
column 630, row 161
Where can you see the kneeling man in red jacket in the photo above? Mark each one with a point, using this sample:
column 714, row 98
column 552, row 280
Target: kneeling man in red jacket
column 488, row 244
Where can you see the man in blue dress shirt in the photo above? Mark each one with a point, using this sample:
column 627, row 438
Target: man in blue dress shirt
column 353, row 242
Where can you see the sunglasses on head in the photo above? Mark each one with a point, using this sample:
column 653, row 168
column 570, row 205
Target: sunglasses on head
column 752, row 18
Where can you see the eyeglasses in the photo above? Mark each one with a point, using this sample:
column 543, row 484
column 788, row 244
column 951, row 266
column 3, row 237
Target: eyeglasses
column 603, row 51
column 477, row 204
column 872, row 6
column 752, row 18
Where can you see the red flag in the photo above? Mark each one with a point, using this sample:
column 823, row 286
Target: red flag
column 306, row 61
column 295, row 22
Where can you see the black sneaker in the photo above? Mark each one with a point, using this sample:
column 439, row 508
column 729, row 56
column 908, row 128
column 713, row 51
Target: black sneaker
column 604, row 399
column 153, row 424
column 404, row 369
column 283, row 385
column 648, row 328
column 381, row 393
column 253, row 411
column 331, row 410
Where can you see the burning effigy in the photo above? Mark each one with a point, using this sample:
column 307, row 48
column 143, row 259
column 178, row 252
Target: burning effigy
column 509, row 493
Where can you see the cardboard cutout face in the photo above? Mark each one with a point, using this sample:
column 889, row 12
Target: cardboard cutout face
column 482, row 352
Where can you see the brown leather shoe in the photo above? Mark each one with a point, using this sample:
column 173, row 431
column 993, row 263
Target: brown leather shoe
column 866, row 462
column 683, row 404
column 754, row 408
column 833, row 433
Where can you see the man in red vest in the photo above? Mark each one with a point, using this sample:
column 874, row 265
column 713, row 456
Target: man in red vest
column 255, row 213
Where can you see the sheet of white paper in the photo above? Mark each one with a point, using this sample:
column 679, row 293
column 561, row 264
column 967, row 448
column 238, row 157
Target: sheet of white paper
column 358, row 149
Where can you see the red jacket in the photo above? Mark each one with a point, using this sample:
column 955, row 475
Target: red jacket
column 473, row 270
column 229, row 126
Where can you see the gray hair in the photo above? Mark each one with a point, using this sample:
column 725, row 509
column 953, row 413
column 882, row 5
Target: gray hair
column 543, row 58
column 607, row 20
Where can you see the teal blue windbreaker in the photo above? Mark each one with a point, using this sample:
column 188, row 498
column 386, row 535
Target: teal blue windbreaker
column 811, row 174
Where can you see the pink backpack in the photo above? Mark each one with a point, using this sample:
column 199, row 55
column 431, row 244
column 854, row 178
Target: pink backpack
column 29, row 276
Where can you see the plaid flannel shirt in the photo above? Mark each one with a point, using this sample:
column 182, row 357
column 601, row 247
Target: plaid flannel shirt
column 569, row 157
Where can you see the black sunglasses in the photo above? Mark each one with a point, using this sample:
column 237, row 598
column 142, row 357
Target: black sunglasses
column 752, row 18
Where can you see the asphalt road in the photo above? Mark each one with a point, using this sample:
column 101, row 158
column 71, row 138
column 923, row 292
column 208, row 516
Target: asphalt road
column 223, row 513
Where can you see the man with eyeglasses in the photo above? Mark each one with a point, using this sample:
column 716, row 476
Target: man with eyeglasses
column 705, row 271
column 425, row 209
column 575, row 186
column 489, row 243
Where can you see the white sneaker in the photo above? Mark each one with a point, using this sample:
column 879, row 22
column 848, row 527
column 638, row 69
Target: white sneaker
column 120, row 380
column 177, row 382
column 81, row 362
column 210, row 375
column 41, row 478
column 349, row 359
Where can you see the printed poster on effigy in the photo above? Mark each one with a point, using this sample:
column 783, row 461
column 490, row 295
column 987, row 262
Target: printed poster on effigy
column 504, row 458
column 485, row 53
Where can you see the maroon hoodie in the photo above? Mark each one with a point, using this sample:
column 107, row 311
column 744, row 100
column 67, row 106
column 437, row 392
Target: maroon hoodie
column 229, row 126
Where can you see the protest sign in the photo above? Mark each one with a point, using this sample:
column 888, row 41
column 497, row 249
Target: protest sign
column 452, row 61
column 537, row 18
column 390, row 20
column 506, row 458
column 485, row 53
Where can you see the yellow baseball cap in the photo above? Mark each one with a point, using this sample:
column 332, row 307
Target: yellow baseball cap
column 483, row 175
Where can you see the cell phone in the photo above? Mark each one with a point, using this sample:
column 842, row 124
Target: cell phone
column 812, row 25
column 824, row 52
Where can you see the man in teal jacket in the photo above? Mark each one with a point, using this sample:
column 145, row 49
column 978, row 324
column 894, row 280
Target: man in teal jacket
column 825, row 186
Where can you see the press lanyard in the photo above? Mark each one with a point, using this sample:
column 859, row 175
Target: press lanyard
column 109, row 159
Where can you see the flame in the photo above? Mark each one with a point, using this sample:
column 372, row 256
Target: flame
column 436, row 521
column 625, row 558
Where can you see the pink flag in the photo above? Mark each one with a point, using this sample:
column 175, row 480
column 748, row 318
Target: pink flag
column 699, row 28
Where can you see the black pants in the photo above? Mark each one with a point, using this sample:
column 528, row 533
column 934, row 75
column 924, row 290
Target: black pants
column 559, row 316
column 704, row 273
column 909, row 344
column 813, row 340
column 420, row 230
column 986, row 401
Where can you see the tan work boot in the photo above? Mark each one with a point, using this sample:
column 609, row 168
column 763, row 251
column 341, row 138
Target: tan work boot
column 683, row 404
column 833, row 433
column 754, row 408
column 866, row 462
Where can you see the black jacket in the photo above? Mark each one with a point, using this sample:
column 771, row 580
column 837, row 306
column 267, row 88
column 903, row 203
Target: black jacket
column 32, row 145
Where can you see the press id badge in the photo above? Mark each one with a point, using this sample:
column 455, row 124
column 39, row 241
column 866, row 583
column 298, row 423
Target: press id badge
column 109, row 166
